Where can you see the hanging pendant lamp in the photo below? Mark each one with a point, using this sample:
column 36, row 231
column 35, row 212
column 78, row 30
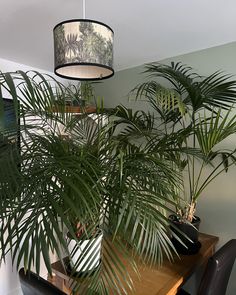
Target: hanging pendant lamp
column 83, row 49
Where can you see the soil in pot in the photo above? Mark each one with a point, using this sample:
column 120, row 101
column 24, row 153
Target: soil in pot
column 191, row 230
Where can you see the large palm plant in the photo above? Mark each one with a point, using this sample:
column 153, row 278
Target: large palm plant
column 84, row 170
column 198, row 114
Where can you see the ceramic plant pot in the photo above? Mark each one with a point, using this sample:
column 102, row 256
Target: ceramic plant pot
column 191, row 230
column 84, row 253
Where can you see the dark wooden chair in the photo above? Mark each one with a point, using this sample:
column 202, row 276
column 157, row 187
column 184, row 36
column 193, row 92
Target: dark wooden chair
column 31, row 284
column 217, row 273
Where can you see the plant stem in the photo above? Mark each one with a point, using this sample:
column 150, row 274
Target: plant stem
column 188, row 169
column 193, row 165
column 198, row 179
column 211, row 177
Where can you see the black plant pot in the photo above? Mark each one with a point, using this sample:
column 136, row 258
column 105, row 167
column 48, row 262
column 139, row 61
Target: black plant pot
column 190, row 230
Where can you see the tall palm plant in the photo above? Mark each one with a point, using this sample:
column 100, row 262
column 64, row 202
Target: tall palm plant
column 200, row 111
column 82, row 170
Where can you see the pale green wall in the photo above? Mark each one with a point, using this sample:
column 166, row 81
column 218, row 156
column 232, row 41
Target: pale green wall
column 217, row 207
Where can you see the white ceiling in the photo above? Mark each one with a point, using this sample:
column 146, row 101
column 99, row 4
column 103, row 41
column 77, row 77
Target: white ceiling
column 145, row 30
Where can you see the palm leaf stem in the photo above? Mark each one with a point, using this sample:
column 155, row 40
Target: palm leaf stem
column 211, row 176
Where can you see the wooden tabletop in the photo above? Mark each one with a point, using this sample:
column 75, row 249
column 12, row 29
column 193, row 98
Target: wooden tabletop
column 166, row 279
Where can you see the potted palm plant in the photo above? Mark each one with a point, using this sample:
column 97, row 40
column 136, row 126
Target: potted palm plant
column 200, row 111
column 80, row 95
column 77, row 174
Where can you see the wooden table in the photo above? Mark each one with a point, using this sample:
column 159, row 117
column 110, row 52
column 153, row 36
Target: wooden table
column 164, row 280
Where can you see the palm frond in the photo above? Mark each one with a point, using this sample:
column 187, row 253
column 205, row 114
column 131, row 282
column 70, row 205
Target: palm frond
column 166, row 102
column 218, row 90
column 212, row 130
column 88, row 174
column 179, row 75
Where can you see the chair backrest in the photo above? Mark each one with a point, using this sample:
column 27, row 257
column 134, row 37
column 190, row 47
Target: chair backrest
column 31, row 284
column 218, row 270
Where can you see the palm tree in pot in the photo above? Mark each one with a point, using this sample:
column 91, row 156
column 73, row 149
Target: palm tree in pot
column 198, row 112
column 78, row 175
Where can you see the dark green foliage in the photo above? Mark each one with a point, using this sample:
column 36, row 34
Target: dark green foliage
column 85, row 170
column 194, row 115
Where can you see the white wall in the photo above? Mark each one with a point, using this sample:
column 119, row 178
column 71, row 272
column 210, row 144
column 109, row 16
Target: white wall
column 8, row 66
column 9, row 282
column 217, row 204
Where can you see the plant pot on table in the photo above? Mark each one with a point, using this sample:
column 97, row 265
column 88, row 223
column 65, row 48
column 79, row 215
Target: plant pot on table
column 191, row 230
column 85, row 254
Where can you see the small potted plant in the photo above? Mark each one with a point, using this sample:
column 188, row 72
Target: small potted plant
column 80, row 95
column 85, row 251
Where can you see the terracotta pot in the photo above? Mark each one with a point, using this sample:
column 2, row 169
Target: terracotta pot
column 191, row 230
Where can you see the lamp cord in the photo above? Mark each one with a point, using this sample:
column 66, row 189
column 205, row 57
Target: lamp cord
column 84, row 9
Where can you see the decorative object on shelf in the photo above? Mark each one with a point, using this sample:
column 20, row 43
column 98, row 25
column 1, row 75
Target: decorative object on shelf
column 81, row 95
column 77, row 99
column 196, row 115
column 83, row 49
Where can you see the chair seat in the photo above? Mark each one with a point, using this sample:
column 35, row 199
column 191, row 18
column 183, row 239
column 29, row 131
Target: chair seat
column 31, row 284
column 216, row 276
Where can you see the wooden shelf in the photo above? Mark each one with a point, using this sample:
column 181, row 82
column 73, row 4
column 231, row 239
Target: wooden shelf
column 74, row 109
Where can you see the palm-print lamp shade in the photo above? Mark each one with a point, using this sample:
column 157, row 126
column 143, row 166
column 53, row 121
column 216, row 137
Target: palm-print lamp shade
column 83, row 50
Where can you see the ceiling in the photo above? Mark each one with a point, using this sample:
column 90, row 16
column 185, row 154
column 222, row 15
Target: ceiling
column 145, row 30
